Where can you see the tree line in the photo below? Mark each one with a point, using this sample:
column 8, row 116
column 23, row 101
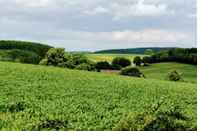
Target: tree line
column 187, row 56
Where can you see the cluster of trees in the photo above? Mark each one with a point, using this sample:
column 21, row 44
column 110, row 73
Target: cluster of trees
column 188, row 56
column 58, row 57
column 37, row 48
column 21, row 56
column 21, row 51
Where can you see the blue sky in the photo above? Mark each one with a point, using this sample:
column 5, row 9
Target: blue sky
column 101, row 24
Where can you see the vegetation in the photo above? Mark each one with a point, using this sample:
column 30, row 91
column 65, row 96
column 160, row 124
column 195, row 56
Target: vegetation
column 188, row 56
column 160, row 71
column 50, row 98
column 121, row 61
column 17, row 55
column 58, row 57
column 37, row 48
column 24, row 52
column 109, row 57
column 137, row 61
column 174, row 76
column 131, row 71
column 133, row 50
column 86, row 66
column 102, row 65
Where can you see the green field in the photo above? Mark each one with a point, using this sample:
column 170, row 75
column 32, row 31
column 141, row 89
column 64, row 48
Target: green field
column 109, row 57
column 32, row 95
column 161, row 70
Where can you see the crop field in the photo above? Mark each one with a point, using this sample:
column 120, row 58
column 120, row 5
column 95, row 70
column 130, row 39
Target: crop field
column 109, row 57
column 35, row 96
column 161, row 70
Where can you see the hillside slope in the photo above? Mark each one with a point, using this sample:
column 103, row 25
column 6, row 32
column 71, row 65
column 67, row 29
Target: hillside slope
column 31, row 95
column 133, row 50
column 161, row 70
column 22, row 51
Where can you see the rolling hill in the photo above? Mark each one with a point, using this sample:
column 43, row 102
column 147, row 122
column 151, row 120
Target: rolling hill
column 133, row 50
column 22, row 51
column 42, row 97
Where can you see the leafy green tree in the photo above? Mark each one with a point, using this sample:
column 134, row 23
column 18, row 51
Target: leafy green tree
column 55, row 57
column 132, row 71
column 137, row 61
column 103, row 65
column 121, row 61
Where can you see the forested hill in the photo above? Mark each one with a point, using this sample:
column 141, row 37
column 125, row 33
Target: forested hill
column 22, row 51
column 134, row 50
column 37, row 48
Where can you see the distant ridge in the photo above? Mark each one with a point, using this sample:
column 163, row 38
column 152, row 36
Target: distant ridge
column 133, row 50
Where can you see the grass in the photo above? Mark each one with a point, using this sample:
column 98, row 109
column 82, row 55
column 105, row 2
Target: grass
column 161, row 70
column 109, row 57
column 38, row 96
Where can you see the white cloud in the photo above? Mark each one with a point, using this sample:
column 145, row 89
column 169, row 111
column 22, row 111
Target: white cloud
column 193, row 15
column 34, row 3
column 97, row 10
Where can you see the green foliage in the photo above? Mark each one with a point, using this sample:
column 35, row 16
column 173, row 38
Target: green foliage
column 155, row 119
column 103, row 65
column 58, row 57
column 17, row 55
column 131, row 71
column 174, row 76
column 121, row 61
column 146, row 59
column 39, row 49
column 55, row 56
column 24, row 52
column 137, row 61
column 149, row 52
column 51, row 125
column 86, row 66
column 86, row 100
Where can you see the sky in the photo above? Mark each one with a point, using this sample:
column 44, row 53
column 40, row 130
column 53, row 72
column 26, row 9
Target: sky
column 89, row 25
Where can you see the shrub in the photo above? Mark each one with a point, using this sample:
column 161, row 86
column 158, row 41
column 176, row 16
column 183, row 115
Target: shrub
column 137, row 61
column 22, row 56
column 51, row 125
column 174, row 76
column 156, row 120
column 44, row 62
column 55, row 56
column 86, row 66
column 78, row 59
column 146, row 59
column 121, row 61
column 103, row 65
column 131, row 71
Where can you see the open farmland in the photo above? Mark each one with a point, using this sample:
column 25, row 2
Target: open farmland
column 109, row 57
column 161, row 70
column 32, row 95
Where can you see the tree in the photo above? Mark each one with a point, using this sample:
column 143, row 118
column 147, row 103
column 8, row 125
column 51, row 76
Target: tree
column 121, row 61
column 55, row 56
column 103, row 65
column 137, row 61
column 132, row 71
column 149, row 52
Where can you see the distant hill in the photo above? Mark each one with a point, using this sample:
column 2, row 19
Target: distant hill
column 22, row 51
column 134, row 50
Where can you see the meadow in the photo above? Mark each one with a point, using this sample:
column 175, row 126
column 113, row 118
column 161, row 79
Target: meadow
column 36, row 96
column 110, row 57
column 161, row 70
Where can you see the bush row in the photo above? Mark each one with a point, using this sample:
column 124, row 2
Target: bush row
column 188, row 56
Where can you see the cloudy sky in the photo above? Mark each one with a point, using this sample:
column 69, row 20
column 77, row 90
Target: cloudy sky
column 101, row 24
